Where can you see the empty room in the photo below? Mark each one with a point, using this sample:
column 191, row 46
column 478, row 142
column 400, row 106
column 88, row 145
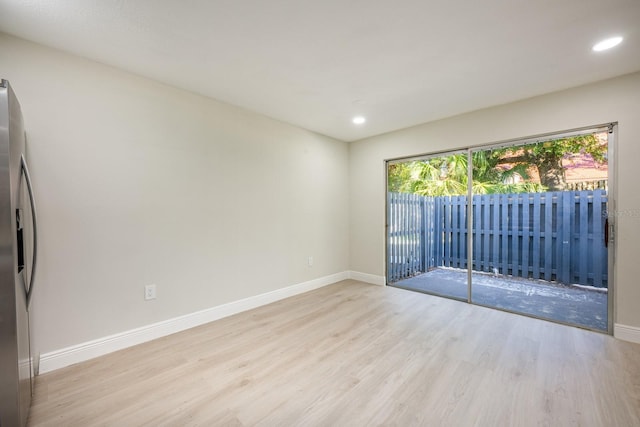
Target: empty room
column 319, row 213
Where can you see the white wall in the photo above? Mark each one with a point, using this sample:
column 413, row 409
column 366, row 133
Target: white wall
column 137, row 183
column 608, row 101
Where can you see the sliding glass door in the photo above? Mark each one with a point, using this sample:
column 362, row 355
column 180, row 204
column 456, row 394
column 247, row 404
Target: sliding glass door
column 535, row 232
column 427, row 225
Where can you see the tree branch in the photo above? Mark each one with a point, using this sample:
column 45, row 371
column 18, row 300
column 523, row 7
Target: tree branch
column 516, row 159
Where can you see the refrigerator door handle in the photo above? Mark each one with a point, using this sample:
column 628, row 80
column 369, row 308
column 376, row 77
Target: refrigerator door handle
column 27, row 178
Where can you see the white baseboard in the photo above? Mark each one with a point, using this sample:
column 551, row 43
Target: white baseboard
column 626, row 333
column 367, row 278
column 88, row 350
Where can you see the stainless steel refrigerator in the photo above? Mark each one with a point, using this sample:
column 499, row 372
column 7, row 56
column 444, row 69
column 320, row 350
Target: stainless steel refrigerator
column 17, row 264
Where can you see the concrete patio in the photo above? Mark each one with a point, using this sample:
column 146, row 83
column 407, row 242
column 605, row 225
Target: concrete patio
column 576, row 305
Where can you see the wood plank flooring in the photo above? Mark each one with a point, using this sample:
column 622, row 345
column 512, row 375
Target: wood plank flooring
column 353, row 354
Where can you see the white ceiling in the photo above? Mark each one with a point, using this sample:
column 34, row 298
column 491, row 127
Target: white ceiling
column 316, row 64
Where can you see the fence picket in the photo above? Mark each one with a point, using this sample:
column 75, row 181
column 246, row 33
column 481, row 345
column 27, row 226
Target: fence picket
column 446, row 209
column 515, row 239
column 411, row 243
column 393, row 245
column 494, row 258
column 567, row 206
column 455, row 216
column 584, row 239
column 477, row 236
column 504, row 249
column 462, row 261
column 536, row 255
column 526, row 235
column 598, row 237
column 548, row 235
column 484, row 218
column 461, row 255
column 390, row 244
column 405, row 226
column 417, row 243
column 437, row 227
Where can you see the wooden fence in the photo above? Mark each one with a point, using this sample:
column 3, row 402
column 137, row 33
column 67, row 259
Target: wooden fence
column 554, row 236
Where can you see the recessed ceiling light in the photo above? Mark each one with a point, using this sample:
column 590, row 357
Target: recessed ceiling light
column 607, row 44
column 358, row 120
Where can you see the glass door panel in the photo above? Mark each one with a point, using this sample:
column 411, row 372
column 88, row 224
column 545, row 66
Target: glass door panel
column 427, row 225
column 539, row 229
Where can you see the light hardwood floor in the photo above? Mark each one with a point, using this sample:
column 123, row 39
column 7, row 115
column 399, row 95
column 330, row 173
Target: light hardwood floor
column 353, row 354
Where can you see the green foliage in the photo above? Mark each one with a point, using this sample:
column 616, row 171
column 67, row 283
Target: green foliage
column 546, row 157
column 493, row 171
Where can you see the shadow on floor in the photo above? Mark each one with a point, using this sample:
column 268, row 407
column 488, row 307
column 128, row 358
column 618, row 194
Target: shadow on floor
column 567, row 304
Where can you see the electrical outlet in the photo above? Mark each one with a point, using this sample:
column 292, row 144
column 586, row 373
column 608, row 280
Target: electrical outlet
column 310, row 261
column 150, row 292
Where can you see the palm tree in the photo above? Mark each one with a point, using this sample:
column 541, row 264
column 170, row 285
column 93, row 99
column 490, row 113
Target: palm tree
column 448, row 176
